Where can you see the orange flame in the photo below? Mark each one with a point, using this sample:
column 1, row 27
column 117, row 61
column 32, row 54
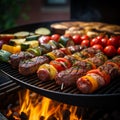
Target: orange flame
column 36, row 107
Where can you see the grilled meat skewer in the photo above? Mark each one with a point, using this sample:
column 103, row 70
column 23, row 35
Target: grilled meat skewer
column 61, row 64
column 97, row 78
column 30, row 66
column 69, row 76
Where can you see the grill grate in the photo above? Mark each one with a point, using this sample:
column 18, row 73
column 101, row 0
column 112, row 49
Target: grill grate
column 68, row 95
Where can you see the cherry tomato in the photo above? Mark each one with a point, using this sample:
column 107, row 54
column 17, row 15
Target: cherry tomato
column 113, row 41
column 118, row 51
column 84, row 37
column 44, row 39
column 57, row 65
column 110, row 50
column 67, row 62
column 77, row 39
column 85, row 43
column 99, row 37
column 98, row 47
column 95, row 41
column 55, row 37
column 104, row 41
column 66, row 51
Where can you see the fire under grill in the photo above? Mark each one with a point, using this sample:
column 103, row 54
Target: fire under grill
column 108, row 96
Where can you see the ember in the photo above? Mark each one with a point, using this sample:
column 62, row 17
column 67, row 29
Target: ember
column 33, row 106
column 28, row 105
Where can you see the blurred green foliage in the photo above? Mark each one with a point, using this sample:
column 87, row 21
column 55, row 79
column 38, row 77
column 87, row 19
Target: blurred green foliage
column 9, row 12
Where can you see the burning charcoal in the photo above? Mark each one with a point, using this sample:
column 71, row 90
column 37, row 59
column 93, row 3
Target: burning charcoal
column 51, row 118
column 11, row 117
column 42, row 118
column 66, row 115
column 23, row 116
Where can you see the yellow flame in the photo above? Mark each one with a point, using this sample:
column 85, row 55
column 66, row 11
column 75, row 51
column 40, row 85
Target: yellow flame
column 45, row 108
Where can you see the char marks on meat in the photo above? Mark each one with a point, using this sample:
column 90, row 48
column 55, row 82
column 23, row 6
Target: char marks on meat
column 69, row 76
column 16, row 58
column 30, row 66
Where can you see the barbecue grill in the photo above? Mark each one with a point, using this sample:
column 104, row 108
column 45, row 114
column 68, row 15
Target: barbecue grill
column 108, row 96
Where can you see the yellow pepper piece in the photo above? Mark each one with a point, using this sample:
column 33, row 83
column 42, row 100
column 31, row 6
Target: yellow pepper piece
column 52, row 55
column 93, row 82
column 76, row 56
column 53, row 72
column 11, row 49
column 50, row 68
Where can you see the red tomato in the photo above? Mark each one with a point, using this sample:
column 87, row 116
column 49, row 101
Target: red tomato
column 77, row 39
column 104, row 41
column 85, row 43
column 110, row 50
column 44, row 39
column 118, row 51
column 99, row 37
column 84, row 37
column 98, row 47
column 64, row 60
column 113, row 41
column 95, row 41
column 57, row 65
column 55, row 37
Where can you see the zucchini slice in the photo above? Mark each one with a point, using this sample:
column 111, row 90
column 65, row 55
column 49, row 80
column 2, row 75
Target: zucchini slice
column 42, row 31
column 35, row 51
column 17, row 41
column 32, row 37
column 21, row 34
column 29, row 44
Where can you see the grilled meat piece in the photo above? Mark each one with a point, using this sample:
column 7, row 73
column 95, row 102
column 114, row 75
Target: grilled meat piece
column 30, row 66
column 98, row 59
column 75, row 48
column 110, row 68
column 16, row 58
column 69, row 76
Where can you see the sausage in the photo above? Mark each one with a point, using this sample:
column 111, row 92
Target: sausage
column 43, row 74
column 46, row 72
column 87, row 84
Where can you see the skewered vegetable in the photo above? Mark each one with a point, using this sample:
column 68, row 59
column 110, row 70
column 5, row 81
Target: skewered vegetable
column 29, row 44
column 19, row 41
column 11, row 49
column 4, row 55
